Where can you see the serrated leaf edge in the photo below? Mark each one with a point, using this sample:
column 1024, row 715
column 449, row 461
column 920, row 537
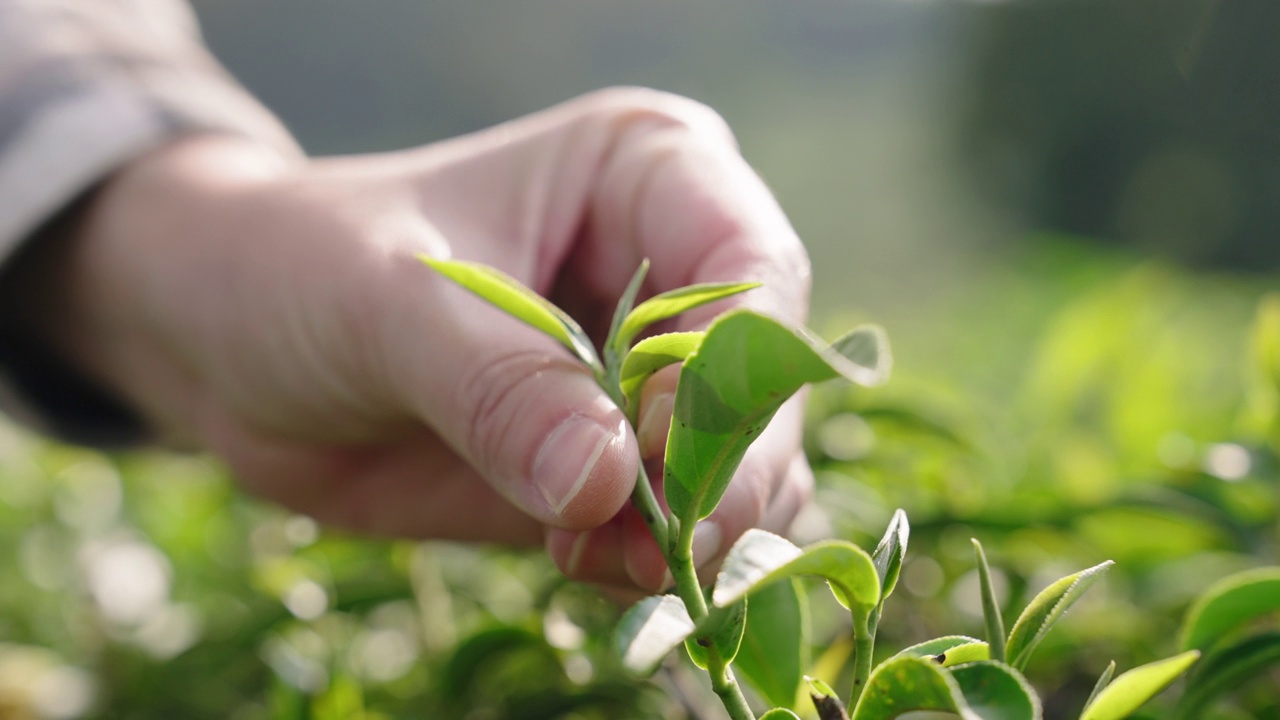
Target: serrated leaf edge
column 1088, row 576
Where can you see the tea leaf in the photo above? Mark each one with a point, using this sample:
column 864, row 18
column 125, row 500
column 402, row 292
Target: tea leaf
column 890, row 552
column 775, row 648
column 868, row 348
column 826, row 701
column 1227, row 669
column 648, row 357
column 990, row 606
column 672, row 303
column 760, row 558
column 1103, row 680
column 723, row 628
column 779, row 714
column 910, row 684
column 650, row 630
column 966, row 653
column 817, row 686
column 730, row 387
column 756, row 554
column 1132, row 689
column 614, row 346
column 995, row 691
column 1230, row 603
column 940, row 647
column 510, row 296
column 1045, row 610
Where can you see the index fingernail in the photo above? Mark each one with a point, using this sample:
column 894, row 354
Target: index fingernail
column 567, row 457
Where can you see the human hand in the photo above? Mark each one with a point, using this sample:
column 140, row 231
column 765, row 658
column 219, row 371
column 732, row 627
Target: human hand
column 275, row 314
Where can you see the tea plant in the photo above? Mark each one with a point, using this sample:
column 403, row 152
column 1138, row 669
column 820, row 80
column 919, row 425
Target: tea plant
column 1114, row 442
column 1119, row 412
column 954, row 674
column 733, row 379
column 1223, row 624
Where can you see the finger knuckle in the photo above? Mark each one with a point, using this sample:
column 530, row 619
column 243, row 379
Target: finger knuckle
column 626, row 106
column 493, row 394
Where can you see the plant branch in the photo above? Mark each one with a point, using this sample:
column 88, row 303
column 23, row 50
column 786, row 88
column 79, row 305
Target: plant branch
column 642, row 496
column 646, row 502
column 726, row 686
column 680, row 560
column 864, row 643
column 678, row 552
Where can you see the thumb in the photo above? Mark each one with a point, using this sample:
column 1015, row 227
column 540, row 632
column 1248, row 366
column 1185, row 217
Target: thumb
column 527, row 416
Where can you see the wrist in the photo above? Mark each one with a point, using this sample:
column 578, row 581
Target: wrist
column 94, row 288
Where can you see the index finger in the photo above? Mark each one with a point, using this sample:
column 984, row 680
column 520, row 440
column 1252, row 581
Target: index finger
column 673, row 188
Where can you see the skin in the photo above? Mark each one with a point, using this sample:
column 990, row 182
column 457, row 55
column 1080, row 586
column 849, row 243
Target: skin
column 271, row 311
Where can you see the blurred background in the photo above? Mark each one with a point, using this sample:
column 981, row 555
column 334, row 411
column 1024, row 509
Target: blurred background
column 1065, row 212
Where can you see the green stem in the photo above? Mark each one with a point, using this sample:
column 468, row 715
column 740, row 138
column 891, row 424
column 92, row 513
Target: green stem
column 642, row 494
column 680, row 560
column 683, row 571
column 726, row 686
column 864, row 642
column 646, row 502
column 607, row 378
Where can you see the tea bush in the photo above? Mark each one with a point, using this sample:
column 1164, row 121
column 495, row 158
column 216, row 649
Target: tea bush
column 1111, row 412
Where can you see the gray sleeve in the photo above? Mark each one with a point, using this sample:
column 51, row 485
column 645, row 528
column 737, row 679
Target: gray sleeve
column 85, row 86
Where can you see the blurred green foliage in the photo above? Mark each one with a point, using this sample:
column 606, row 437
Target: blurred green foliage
column 1140, row 426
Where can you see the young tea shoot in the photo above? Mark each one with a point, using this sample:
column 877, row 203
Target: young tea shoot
column 734, row 377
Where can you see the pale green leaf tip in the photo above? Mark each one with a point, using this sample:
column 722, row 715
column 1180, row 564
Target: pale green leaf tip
column 1119, row 698
column 878, row 373
column 819, row 687
column 1103, row 681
